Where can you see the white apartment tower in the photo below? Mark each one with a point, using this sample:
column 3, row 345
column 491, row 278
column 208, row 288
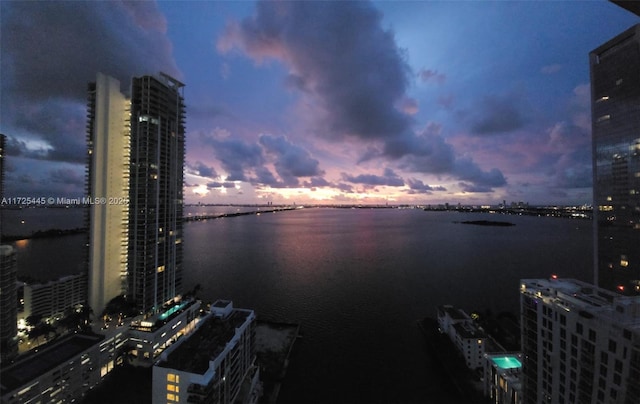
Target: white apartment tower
column 108, row 133
column 580, row 343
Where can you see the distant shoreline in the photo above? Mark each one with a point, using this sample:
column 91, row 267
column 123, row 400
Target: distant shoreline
column 45, row 234
column 488, row 223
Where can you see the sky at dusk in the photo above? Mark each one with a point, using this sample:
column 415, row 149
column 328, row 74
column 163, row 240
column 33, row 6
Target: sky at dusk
column 425, row 102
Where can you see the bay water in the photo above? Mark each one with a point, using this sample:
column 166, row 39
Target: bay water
column 357, row 280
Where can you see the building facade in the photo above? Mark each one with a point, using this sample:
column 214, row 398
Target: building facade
column 501, row 379
column 61, row 372
column 135, row 181
column 215, row 364
column 108, row 131
column 580, row 343
column 54, row 297
column 615, row 110
column 8, row 303
column 156, row 191
column 148, row 338
column 469, row 339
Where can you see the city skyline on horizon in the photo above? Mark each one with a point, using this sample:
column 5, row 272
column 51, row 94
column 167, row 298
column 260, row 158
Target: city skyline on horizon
column 382, row 111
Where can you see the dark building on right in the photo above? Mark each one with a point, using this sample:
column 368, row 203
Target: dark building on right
column 615, row 110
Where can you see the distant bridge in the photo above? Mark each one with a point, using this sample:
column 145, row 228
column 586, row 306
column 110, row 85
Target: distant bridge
column 197, row 218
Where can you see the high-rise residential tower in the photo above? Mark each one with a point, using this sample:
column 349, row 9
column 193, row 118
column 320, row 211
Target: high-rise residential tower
column 580, row 343
column 615, row 110
column 108, row 139
column 156, row 191
column 136, row 158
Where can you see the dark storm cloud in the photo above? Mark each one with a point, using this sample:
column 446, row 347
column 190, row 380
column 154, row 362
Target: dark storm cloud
column 338, row 52
column 51, row 50
column 416, row 186
column 467, row 170
column 216, row 184
column 291, row 161
column 201, row 169
column 346, row 188
column 317, row 182
column 60, row 123
column 236, row 156
column 264, row 177
column 68, row 176
column 389, row 178
column 497, row 114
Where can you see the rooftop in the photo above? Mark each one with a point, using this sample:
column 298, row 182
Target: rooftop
column 158, row 320
column 469, row 330
column 453, row 312
column 585, row 298
column 37, row 364
column 206, row 343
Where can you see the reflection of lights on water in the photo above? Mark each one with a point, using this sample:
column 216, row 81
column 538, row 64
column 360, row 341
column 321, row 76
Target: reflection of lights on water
column 22, row 243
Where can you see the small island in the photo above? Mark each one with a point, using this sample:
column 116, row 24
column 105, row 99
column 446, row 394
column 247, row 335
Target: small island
column 488, row 223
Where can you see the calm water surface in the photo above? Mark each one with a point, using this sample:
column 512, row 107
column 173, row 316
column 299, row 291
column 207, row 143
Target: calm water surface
column 357, row 281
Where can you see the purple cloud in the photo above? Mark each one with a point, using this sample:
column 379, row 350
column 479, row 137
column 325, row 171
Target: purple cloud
column 236, row 156
column 337, row 53
column 291, row 161
column 389, row 178
column 201, row 169
column 416, row 186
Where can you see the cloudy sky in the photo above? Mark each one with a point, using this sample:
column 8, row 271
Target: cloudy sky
column 327, row 102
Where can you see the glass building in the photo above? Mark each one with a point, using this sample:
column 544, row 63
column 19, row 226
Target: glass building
column 615, row 109
column 156, row 191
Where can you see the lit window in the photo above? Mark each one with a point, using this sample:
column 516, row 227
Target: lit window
column 624, row 262
column 171, row 397
column 171, row 377
column 171, row 387
column 604, row 118
column 161, row 268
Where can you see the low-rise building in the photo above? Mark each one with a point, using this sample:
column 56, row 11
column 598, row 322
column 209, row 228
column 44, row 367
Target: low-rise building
column 465, row 334
column 215, row 364
column 149, row 337
column 471, row 341
column 62, row 371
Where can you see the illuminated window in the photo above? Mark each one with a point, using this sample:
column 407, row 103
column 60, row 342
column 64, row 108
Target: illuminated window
column 173, row 387
column 171, row 397
column 171, row 377
column 624, row 262
column 161, row 268
column 604, row 118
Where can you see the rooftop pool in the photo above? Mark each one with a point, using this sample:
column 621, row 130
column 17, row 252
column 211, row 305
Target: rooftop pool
column 507, row 362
